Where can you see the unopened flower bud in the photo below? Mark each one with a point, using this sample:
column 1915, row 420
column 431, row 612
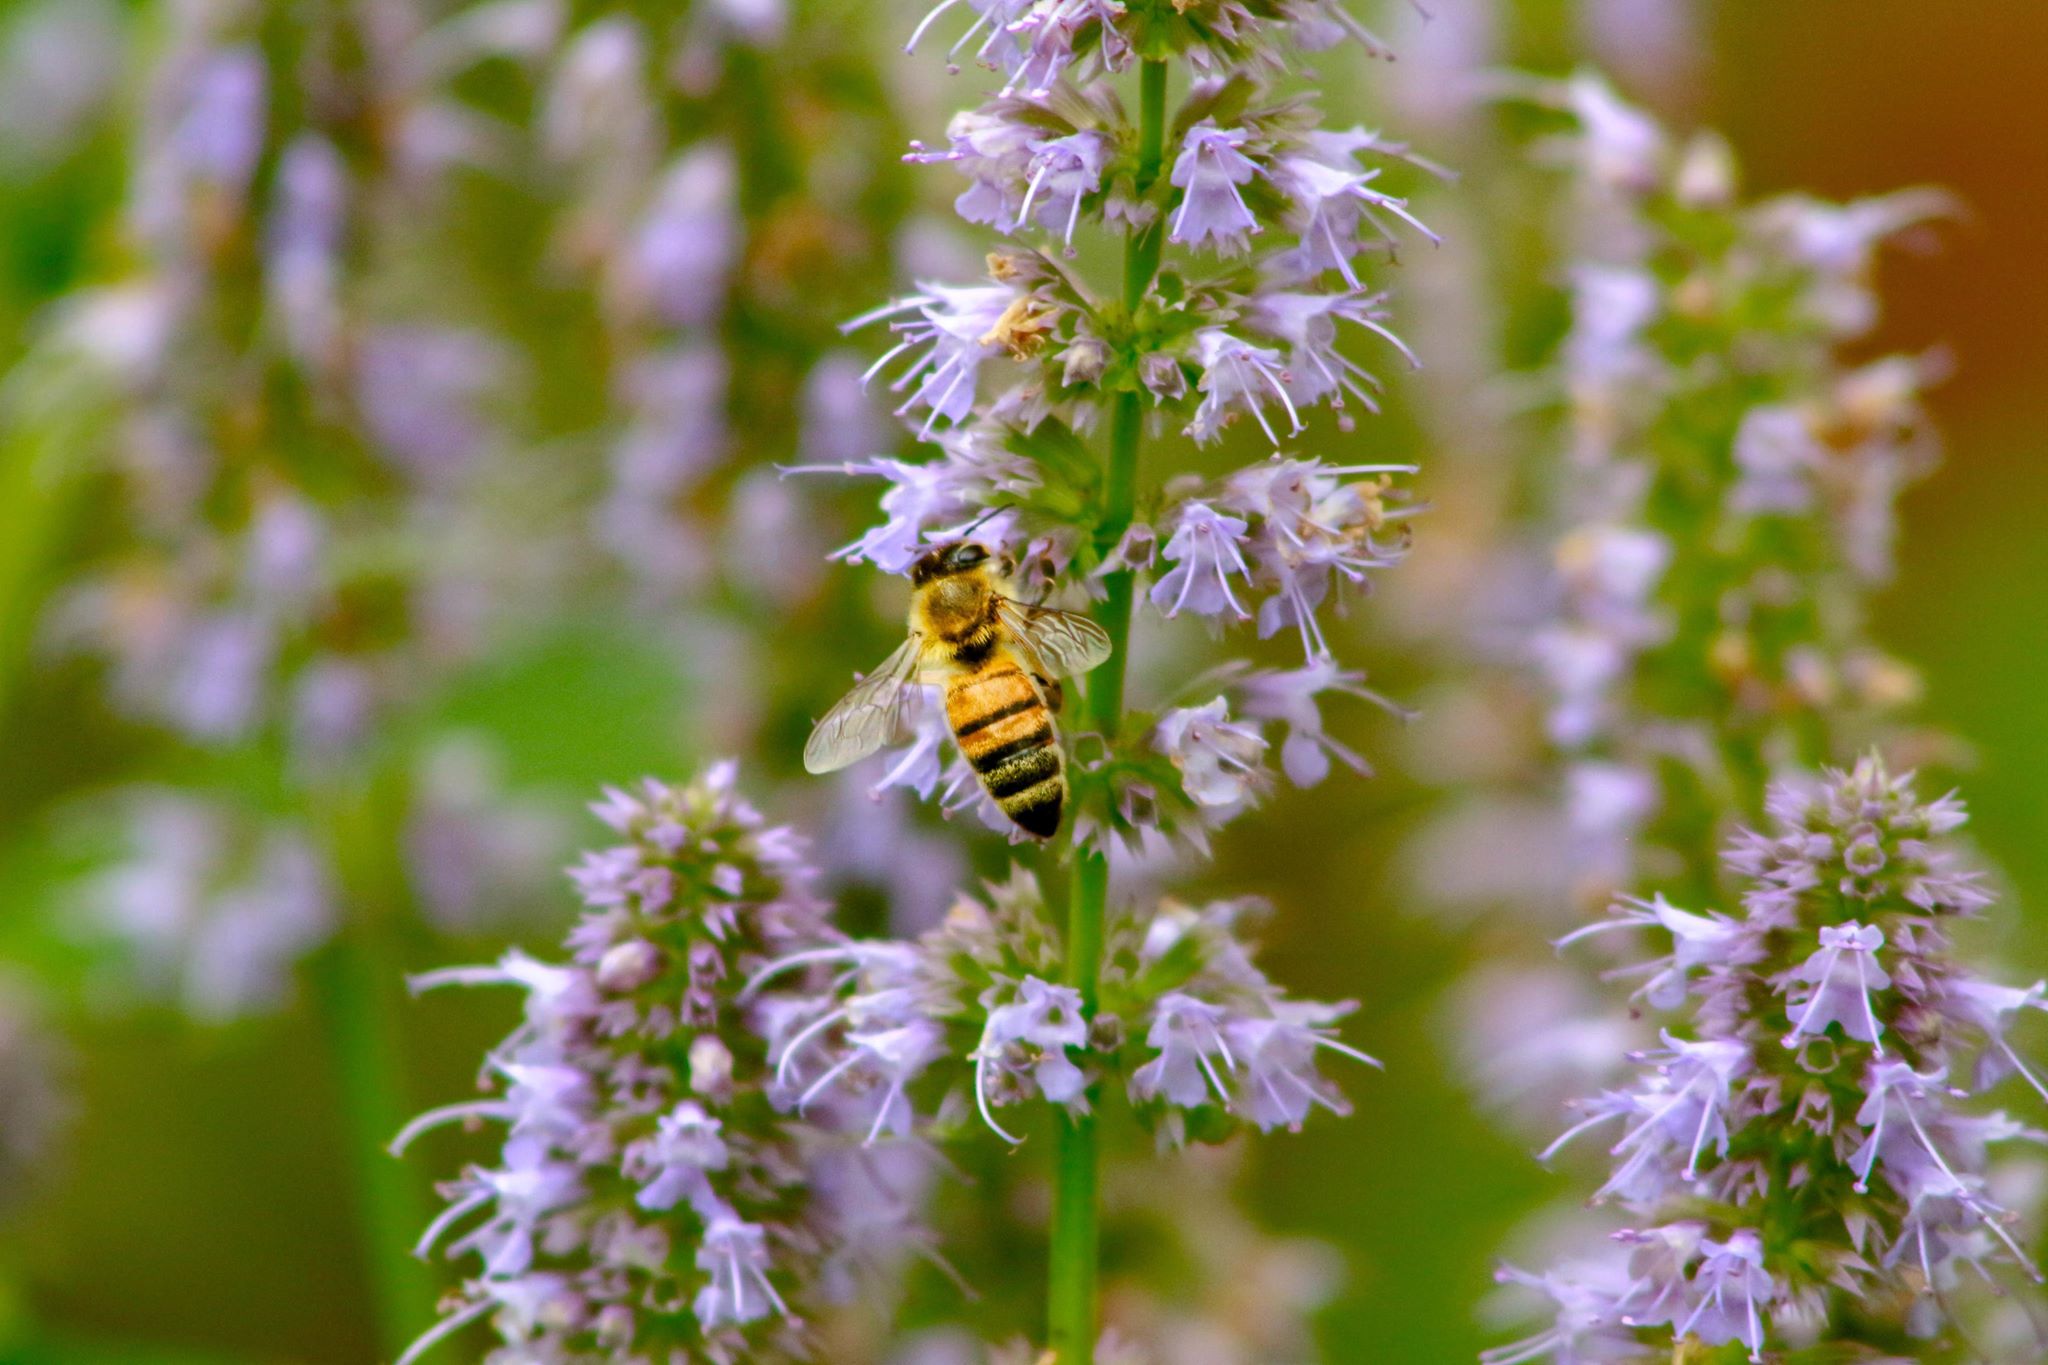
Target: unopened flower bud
column 1706, row 173
column 1163, row 376
column 1084, row 361
column 1133, row 552
column 1106, row 1033
column 626, row 967
column 710, row 1066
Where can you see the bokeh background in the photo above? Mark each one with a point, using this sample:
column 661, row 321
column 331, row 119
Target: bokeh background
column 203, row 1198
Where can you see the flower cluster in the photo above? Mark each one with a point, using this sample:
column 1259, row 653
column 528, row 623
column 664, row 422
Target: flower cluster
column 1202, row 1041
column 1204, row 764
column 924, row 501
column 1276, row 542
column 1256, row 337
column 969, row 1003
column 690, row 1089
column 213, row 906
column 241, row 600
column 1274, row 539
column 1252, row 240
column 326, row 492
column 649, row 1198
column 1236, row 336
column 1731, row 498
column 1009, row 378
column 690, row 198
column 264, row 438
column 1039, row 44
column 1194, row 768
column 1800, row 1161
column 1214, row 1043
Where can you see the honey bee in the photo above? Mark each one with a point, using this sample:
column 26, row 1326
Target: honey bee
column 999, row 661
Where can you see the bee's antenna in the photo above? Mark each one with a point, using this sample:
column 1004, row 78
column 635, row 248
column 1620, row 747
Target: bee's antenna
column 933, row 540
column 971, row 526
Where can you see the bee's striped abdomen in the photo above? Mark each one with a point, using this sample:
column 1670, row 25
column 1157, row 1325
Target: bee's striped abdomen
column 1006, row 734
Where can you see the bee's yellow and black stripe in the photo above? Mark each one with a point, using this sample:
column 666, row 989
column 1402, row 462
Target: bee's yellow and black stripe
column 1006, row 733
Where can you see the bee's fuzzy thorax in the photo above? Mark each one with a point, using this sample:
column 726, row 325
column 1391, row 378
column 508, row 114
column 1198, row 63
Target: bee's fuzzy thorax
column 954, row 607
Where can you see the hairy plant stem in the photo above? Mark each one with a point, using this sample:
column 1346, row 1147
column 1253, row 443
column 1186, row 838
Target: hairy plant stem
column 1073, row 1294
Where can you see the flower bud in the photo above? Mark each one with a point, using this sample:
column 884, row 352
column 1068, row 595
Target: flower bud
column 626, row 967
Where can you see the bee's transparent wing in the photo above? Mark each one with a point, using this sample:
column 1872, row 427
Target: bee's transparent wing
column 1067, row 643
column 868, row 717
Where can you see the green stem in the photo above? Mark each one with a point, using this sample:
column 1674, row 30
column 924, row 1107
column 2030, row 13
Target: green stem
column 43, row 495
column 1141, row 251
column 359, row 991
column 1072, row 1293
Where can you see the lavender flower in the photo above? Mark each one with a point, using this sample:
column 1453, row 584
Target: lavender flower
column 1203, row 549
column 1293, row 529
column 202, row 146
column 1204, row 766
column 1534, row 1035
column 1312, row 530
column 648, row 1206
column 1308, row 324
column 1238, row 378
column 1742, row 577
column 1289, row 696
column 1331, row 196
column 210, row 906
column 996, row 152
column 928, row 500
column 1030, row 1034
column 1035, row 41
column 1187, row 1035
column 1013, row 377
column 959, row 330
column 1218, row 1036
column 306, row 231
column 1210, row 172
column 1269, row 173
column 1028, row 164
column 965, row 1008
column 1219, row 761
column 1696, row 941
column 1064, row 171
column 682, row 258
column 1805, row 1169
column 423, row 391
column 1585, row 1330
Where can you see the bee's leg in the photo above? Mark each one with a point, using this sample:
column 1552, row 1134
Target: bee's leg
column 1055, row 695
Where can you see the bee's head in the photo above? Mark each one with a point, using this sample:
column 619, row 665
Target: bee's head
column 942, row 561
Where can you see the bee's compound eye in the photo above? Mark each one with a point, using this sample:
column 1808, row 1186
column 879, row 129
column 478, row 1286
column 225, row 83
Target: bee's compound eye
column 969, row 555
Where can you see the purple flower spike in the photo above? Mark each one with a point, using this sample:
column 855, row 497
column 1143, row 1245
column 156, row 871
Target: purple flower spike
column 1847, row 1138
